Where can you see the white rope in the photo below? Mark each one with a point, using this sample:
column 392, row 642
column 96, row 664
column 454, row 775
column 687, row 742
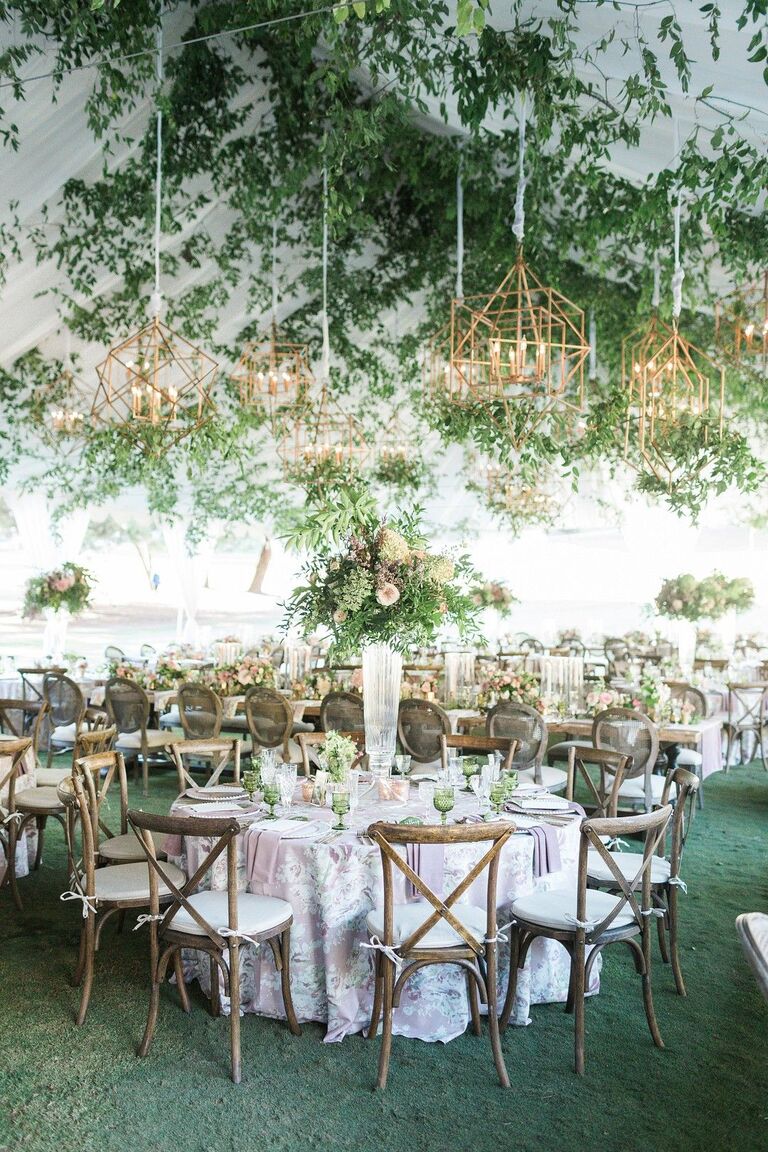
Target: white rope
column 388, row 951
column 616, row 842
column 460, row 228
column 89, row 902
column 325, row 369
column 656, row 297
column 678, row 275
column 592, row 345
column 652, row 912
column 274, row 272
column 13, row 816
column 677, row 882
column 156, row 299
column 519, row 225
column 146, row 918
column 500, row 936
column 587, row 925
column 236, row 934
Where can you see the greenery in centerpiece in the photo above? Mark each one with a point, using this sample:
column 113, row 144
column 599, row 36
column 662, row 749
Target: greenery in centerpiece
column 337, row 755
column 520, row 687
column 376, row 583
column 494, row 594
column 67, row 589
column 686, row 598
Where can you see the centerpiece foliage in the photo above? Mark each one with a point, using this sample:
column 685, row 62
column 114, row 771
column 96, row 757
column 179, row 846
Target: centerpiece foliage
column 520, row 687
column 686, row 598
column 494, row 594
column 67, row 588
column 383, row 586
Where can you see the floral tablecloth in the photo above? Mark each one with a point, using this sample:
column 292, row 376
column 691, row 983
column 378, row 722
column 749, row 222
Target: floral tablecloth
column 332, row 887
column 27, row 844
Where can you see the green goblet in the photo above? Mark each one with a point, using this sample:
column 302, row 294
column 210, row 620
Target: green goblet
column 271, row 797
column 340, row 805
column 469, row 766
column 498, row 795
column 443, row 800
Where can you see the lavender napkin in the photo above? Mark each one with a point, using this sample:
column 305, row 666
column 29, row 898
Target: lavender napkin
column 546, row 850
column 262, row 846
column 428, row 862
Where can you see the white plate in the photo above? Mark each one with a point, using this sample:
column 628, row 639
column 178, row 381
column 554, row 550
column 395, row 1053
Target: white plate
column 214, row 795
column 224, row 808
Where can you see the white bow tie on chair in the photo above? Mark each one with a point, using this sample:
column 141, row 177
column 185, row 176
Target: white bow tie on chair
column 89, row 902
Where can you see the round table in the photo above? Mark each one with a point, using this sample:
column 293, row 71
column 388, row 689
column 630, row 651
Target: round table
column 332, row 885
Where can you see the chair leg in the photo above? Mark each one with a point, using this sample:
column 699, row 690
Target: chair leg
column 77, row 975
column 215, row 994
column 578, row 960
column 493, row 1015
column 145, row 776
column 285, row 982
column 154, row 1008
column 388, row 976
column 41, row 822
column 13, row 840
column 514, row 955
column 647, row 992
column 378, row 983
column 89, row 958
column 474, row 1004
column 179, row 971
column 234, row 1008
column 673, row 939
column 662, row 924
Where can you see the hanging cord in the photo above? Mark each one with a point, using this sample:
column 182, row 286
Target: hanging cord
column 519, row 225
column 592, row 345
column 156, row 299
column 460, row 227
column 326, row 360
column 678, row 275
column 274, row 273
column 656, row 297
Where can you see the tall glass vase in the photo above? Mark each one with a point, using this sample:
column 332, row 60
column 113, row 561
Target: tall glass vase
column 55, row 635
column 686, row 646
column 382, row 673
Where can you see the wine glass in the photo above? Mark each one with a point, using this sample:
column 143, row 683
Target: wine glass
column 481, row 786
column 286, row 782
column 426, row 794
column 443, row 800
column 498, row 795
column 339, row 804
column 469, row 768
column 402, row 765
column 251, row 782
column 271, row 797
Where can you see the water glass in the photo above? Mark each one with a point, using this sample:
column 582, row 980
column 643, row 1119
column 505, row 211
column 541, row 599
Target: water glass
column 498, row 795
column 271, row 797
column 426, row 795
column 469, row 768
column 340, row 804
column 286, row 782
column 482, row 790
column 444, row 800
column 402, row 765
column 251, row 782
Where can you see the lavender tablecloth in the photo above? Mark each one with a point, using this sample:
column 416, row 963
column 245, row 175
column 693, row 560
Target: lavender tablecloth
column 333, row 885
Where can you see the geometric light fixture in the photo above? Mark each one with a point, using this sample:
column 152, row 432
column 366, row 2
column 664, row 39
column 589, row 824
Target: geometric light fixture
column 741, row 326
column 155, row 384
column 323, row 434
column 669, row 385
column 273, row 374
column 519, row 352
column 515, row 498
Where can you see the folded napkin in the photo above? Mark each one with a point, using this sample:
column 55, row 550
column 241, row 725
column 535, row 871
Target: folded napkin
column 546, row 850
column 428, row 862
column 262, row 847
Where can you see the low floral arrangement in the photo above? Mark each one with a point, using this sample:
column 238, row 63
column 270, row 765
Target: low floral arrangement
column 655, row 698
column 383, row 587
column 166, row 675
column 494, row 594
column 566, row 636
column 601, row 698
column 318, row 684
column 336, row 755
column 686, row 598
column 521, row 687
column 235, row 679
column 419, row 687
column 66, row 589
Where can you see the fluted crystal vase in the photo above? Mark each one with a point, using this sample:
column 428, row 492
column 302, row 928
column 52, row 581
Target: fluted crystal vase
column 686, row 646
column 382, row 672
column 55, row 635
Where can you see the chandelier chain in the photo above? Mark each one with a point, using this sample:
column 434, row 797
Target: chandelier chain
column 519, row 225
column 157, row 298
column 460, row 226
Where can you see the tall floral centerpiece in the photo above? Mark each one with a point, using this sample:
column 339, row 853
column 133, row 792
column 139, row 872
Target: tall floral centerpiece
column 380, row 590
column 57, row 595
column 687, row 600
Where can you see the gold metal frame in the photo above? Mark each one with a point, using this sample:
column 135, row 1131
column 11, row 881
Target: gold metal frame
column 273, row 374
column 741, row 326
column 323, row 433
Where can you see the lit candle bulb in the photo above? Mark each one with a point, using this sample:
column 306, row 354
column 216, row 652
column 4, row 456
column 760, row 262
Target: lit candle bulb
column 749, row 330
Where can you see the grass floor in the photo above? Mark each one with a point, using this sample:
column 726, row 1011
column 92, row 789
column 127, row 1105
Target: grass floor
column 84, row 1090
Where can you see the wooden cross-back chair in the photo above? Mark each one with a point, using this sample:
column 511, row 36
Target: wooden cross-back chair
column 589, row 918
column 421, row 725
column 98, row 772
column 747, row 715
column 101, row 892
column 341, row 712
column 604, row 790
column 665, row 876
column 436, row 929
column 218, row 754
column 269, row 719
column 127, row 706
column 309, row 740
column 635, row 735
column 470, row 744
column 214, row 922
column 66, row 712
column 12, row 753
column 98, row 738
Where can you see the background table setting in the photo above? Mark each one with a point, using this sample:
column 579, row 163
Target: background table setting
column 333, row 880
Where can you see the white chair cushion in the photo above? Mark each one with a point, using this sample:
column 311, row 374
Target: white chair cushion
column 155, row 739
column 553, row 778
column 688, row 758
column 408, row 917
column 634, row 789
column 630, row 864
column 552, row 909
column 66, row 733
column 255, row 914
column 562, row 747
column 122, row 849
column 131, row 881
column 52, row 777
column 36, row 799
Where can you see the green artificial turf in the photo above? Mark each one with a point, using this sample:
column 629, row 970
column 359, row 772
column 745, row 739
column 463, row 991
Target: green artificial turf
column 63, row 1088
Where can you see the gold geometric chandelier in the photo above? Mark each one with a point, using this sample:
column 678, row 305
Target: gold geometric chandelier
column 273, row 374
column 59, row 408
column 155, row 384
column 324, row 435
column 741, row 326
column 519, row 353
column 515, row 498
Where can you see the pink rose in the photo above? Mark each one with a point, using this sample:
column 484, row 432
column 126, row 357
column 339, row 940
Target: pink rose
column 387, row 595
column 63, row 583
column 356, row 679
column 244, row 676
column 606, row 697
column 339, row 616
